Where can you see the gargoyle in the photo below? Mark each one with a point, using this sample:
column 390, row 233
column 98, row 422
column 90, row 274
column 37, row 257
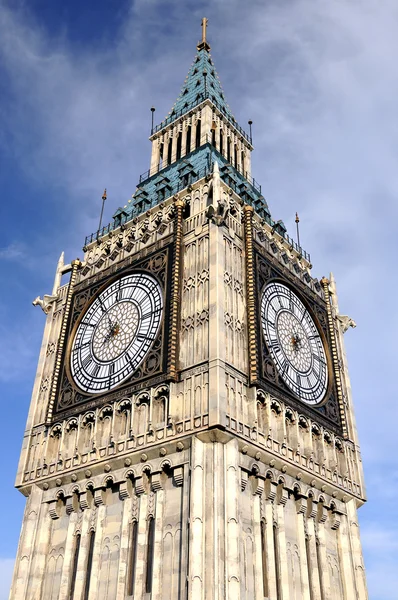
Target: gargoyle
column 45, row 303
column 346, row 322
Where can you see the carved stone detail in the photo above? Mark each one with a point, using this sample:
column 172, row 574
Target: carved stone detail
column 178, row 475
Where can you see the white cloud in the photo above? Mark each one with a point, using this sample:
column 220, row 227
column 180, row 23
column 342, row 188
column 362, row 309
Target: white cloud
column 18, row 347
column 13, row 251
column 6, row 570
column 319, row 81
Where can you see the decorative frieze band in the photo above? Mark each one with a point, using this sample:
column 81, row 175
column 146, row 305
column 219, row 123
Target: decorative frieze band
column 250, row 289
column 176, row 287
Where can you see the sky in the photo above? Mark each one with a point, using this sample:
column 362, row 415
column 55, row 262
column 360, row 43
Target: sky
column 318, row 79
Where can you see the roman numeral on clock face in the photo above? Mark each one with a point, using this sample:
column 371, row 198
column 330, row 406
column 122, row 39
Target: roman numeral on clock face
column 275, row 346
column 116, row 332
column 294, row 342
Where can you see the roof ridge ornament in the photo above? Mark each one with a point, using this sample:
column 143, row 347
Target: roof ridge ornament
column 203, row 45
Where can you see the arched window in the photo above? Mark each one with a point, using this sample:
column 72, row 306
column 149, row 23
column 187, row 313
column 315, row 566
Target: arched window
column 264, row 557
column 89, row 565
column 198, row 134
column 149, row 555
column 169, row 151
column 179, row 141
column 76, row 550
column 188, row 139
column 277, row 563
column 132, row 557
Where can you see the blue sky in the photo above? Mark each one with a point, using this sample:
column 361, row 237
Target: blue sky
column 318, row 79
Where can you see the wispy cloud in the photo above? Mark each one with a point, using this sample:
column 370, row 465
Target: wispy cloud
column 13, row 251
column 319, row 81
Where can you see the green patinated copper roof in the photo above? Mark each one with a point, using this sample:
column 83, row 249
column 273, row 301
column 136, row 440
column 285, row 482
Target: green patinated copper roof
column 197, row 87
column 194, row 85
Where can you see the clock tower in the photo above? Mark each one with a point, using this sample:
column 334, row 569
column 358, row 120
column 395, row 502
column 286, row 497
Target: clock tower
column 191, row 434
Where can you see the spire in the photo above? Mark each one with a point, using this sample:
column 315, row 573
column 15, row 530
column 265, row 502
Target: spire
column 201, row 82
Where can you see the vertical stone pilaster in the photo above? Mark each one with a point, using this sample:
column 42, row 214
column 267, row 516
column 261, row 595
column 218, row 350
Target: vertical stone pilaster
column 184, row 139
column 232, row 558
column 155, row 156
column 217, row 390
column 157, row 556
column 206, row 124
column 185, row 532
column 281, row 499
column 98, row 524
column 196, row 567
column 218, row 127
column 40, row 552
column 270, row 494
column 139, row 586
column 322, row 561
column 301, row 508
column 193, row 134
column 312, row 553
column 258, row 559
column 218, row 500
column 83, row 555
column 174, row 143
column 26, row 545
column 124, row 549
column 68, row 558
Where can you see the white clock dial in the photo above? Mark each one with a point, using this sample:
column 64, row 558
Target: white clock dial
column 116, row 333
column 294, row 343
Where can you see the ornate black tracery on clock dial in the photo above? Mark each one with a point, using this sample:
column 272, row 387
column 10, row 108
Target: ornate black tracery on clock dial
column 116, row 332
column 293, row 354
column 294, row 343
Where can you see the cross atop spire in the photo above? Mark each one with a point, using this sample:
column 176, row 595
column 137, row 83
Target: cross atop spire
column 203, row 45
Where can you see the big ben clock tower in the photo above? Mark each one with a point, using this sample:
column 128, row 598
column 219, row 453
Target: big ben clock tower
column 191, row 434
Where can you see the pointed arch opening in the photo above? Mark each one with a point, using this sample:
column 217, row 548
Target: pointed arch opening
column 188, row 139
column 198, row 134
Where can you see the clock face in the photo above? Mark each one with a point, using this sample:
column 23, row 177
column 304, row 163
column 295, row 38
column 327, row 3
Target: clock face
column 116, row 333
column 294, row 343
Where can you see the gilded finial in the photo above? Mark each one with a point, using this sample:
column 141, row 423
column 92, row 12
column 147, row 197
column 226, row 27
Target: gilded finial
column 204, row 25
column 204, row 45
column 104, row 195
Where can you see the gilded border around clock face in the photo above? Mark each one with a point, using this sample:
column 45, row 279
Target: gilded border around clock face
column 327, row 411
column 153, row 369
